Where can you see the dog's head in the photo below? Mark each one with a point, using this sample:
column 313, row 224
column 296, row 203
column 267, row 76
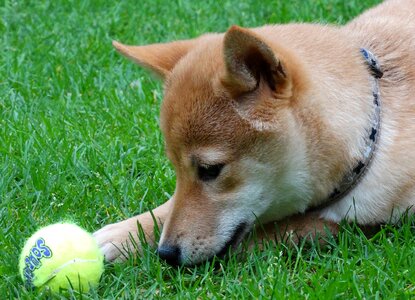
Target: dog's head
column 228, row 122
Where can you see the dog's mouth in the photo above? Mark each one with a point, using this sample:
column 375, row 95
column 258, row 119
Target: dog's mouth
column 234, row 240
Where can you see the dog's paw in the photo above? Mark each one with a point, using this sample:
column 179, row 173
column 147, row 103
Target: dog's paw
column 115, row 242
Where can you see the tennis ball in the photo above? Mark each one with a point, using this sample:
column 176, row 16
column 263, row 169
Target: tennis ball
column 61, row 255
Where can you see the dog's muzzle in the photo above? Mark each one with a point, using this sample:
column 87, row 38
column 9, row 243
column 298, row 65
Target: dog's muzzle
column 235, row 239
column 172, row 254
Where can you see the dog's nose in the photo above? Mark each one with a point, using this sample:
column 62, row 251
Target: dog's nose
column 171, row 254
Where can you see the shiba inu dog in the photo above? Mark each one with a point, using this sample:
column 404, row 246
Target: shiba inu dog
column 301, row 125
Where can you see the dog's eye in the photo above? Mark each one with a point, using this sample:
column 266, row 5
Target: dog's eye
column 209, row 172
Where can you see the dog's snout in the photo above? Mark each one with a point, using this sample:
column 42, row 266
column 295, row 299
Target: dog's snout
column 171, row 254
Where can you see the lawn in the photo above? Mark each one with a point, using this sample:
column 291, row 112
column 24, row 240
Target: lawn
column 79, row 140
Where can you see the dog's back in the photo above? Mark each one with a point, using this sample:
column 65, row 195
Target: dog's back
column 388, row 30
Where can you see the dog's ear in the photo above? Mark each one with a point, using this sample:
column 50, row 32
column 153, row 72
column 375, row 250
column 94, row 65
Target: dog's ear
column 249, row 60
column 159, row 58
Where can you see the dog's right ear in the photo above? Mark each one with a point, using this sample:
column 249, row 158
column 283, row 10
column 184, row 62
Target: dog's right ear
column 159, row 58
column 249, row 60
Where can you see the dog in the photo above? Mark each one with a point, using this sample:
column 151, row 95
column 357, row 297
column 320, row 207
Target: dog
column 291, row 128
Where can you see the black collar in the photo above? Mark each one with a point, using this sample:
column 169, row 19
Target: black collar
column 353, row 176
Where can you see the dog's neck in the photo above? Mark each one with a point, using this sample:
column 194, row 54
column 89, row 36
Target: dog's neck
column 354, row 175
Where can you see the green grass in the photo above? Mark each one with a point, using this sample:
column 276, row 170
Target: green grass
column 79, row 140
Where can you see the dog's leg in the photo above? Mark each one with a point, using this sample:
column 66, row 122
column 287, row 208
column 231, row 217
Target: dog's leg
column 116, row 240
column 297, row 227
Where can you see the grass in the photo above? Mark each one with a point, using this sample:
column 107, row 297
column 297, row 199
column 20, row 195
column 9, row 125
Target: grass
column 79, row 140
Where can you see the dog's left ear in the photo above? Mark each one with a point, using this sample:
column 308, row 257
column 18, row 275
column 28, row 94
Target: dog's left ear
column 248, row 61
column 159, row 58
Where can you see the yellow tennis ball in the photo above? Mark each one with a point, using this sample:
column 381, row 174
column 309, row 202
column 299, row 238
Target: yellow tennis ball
column 61, row 256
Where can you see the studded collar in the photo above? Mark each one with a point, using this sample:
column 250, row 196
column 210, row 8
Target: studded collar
column 353, row 176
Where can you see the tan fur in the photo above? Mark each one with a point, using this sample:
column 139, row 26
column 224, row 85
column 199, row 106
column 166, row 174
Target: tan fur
column 285, row 109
